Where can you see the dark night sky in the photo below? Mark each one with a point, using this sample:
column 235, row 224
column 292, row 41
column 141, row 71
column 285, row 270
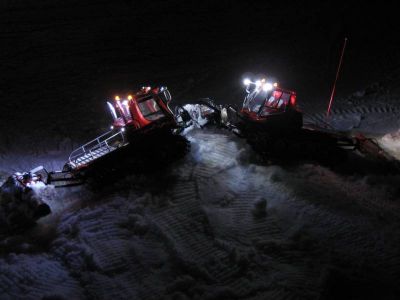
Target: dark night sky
column 76, row 53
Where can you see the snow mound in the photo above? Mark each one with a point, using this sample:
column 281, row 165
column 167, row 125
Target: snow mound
column 391, row 143
column 21, row 206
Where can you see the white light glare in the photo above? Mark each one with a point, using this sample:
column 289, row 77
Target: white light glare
column 111, row 127
column 267, row 87
column 247, row 81
column 258, row 83
column 122, row 129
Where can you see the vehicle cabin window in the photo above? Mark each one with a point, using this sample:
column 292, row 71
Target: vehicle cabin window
column 285, row 99
column 255, row 104
column 150, row 110
column 278, row 100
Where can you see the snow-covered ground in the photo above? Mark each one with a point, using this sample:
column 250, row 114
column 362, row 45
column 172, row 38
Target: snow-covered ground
column 217, row 224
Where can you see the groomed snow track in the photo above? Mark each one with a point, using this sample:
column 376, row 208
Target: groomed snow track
column 220, row 228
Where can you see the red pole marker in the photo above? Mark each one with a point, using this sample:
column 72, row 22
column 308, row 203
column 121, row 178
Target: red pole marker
column 337, row 76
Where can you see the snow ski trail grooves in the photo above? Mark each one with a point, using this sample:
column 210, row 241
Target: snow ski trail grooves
column 276, row 294
column 186, row 231
column 220, row 157
column 35, row 278
column 177, row 223
column 351, row 239
column 108, row 241
column 361, row 110
column 253, row 232
column 116, row 287
column 115, row 270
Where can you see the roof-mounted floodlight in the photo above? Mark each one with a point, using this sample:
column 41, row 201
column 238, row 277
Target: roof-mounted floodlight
column 246, row 81
column 267, row 87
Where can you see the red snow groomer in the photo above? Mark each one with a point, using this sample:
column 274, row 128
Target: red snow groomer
column 144, row 136
column 272, row 124
column 269, row 107
column 142, row 123
column 267, row 111
column 266, row 107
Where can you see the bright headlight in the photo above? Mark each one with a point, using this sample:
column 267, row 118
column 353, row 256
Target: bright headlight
column 267, row 86
column 247, row 81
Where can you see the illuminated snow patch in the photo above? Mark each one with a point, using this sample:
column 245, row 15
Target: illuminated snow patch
column 36, row 186
column 195, row 111
column 391, row 143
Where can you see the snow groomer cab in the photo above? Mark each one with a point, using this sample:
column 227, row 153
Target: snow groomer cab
column 143, row 111
column 267, row 106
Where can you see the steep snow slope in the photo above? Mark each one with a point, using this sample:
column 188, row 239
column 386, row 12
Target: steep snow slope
column 217, row 224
